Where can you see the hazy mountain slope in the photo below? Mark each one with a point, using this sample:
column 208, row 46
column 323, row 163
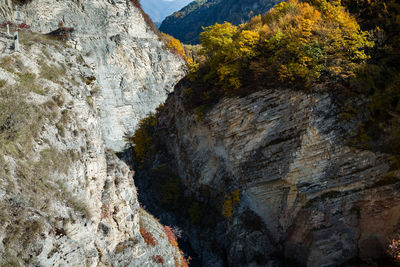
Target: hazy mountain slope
column 159, row 9
column 187, row 23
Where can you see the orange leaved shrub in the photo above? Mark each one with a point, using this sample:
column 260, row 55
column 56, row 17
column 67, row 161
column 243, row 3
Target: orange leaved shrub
column 175, row 46
column 148, row 237
column 158, row 259
column 171, row 236
column 394, row 250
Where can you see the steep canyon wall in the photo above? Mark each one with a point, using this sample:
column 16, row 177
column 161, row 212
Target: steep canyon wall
column 321, row 202
column 65, row 198
column 132, row 66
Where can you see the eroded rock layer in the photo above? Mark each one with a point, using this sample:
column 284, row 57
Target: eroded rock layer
column 65, row 198
column 321, row 202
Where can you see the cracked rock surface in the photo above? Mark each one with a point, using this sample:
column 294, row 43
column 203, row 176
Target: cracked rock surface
column 311, row 197
column 133, row 68
column 65, row 198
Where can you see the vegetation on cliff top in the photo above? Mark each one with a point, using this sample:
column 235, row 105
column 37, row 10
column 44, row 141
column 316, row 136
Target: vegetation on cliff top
column 175, row 46
column 308, row 45
column 317, row 45
column 379, row 79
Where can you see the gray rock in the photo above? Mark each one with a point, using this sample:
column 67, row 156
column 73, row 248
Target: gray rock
column 320, row 201
column 133, row 68
column 65, row 199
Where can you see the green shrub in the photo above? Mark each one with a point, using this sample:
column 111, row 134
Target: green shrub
column 199, row 113
column 230, row 202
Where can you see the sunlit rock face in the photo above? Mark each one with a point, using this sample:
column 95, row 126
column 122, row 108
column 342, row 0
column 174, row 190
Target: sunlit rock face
column 134, row 70
column 321, row 202
column 65, row 198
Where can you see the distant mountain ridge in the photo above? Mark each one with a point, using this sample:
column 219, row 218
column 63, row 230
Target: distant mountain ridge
column 159, row 9
column 186, row 24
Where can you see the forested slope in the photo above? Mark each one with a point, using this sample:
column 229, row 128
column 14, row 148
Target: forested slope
column 186, row 24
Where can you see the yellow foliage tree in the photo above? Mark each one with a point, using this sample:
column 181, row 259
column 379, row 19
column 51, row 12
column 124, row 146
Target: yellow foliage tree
column 230, row 201
column 142, row 140
column 219, row 48
column 313, row 43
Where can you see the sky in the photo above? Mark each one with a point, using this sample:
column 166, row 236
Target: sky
column 159, row 9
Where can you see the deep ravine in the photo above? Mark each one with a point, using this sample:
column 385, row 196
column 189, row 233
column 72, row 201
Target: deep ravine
column 299, row 195
column 265, row 179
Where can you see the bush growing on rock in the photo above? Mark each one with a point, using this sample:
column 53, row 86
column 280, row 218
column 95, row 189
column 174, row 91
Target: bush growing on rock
column 142, row 139
column 171, row 236
column 21, row 2
column 175, row 46
column 158, row 259
column 394, row 250
column 148, row 237
column 230, row 202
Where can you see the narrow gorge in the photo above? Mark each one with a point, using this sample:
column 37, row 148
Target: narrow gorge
column 268, row 179
column 114, row 153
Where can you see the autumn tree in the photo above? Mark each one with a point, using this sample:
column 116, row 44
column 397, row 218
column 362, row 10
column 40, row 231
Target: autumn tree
column 142, row 140
column 314, row 43
column 379, row 80
column 218, row 46
column 309, row 43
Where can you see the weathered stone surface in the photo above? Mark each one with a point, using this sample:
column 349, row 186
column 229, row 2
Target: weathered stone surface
column 82, row 210
column 134, row 70
column 322, row 203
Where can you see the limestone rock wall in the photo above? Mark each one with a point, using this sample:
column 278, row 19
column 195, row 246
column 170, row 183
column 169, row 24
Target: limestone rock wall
column 65, row 199
column 134, row 69
column 321, row 202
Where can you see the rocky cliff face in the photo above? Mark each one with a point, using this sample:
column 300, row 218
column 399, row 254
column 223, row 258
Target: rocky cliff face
column 65, row 198
column 134, row 70
column 276, row 164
